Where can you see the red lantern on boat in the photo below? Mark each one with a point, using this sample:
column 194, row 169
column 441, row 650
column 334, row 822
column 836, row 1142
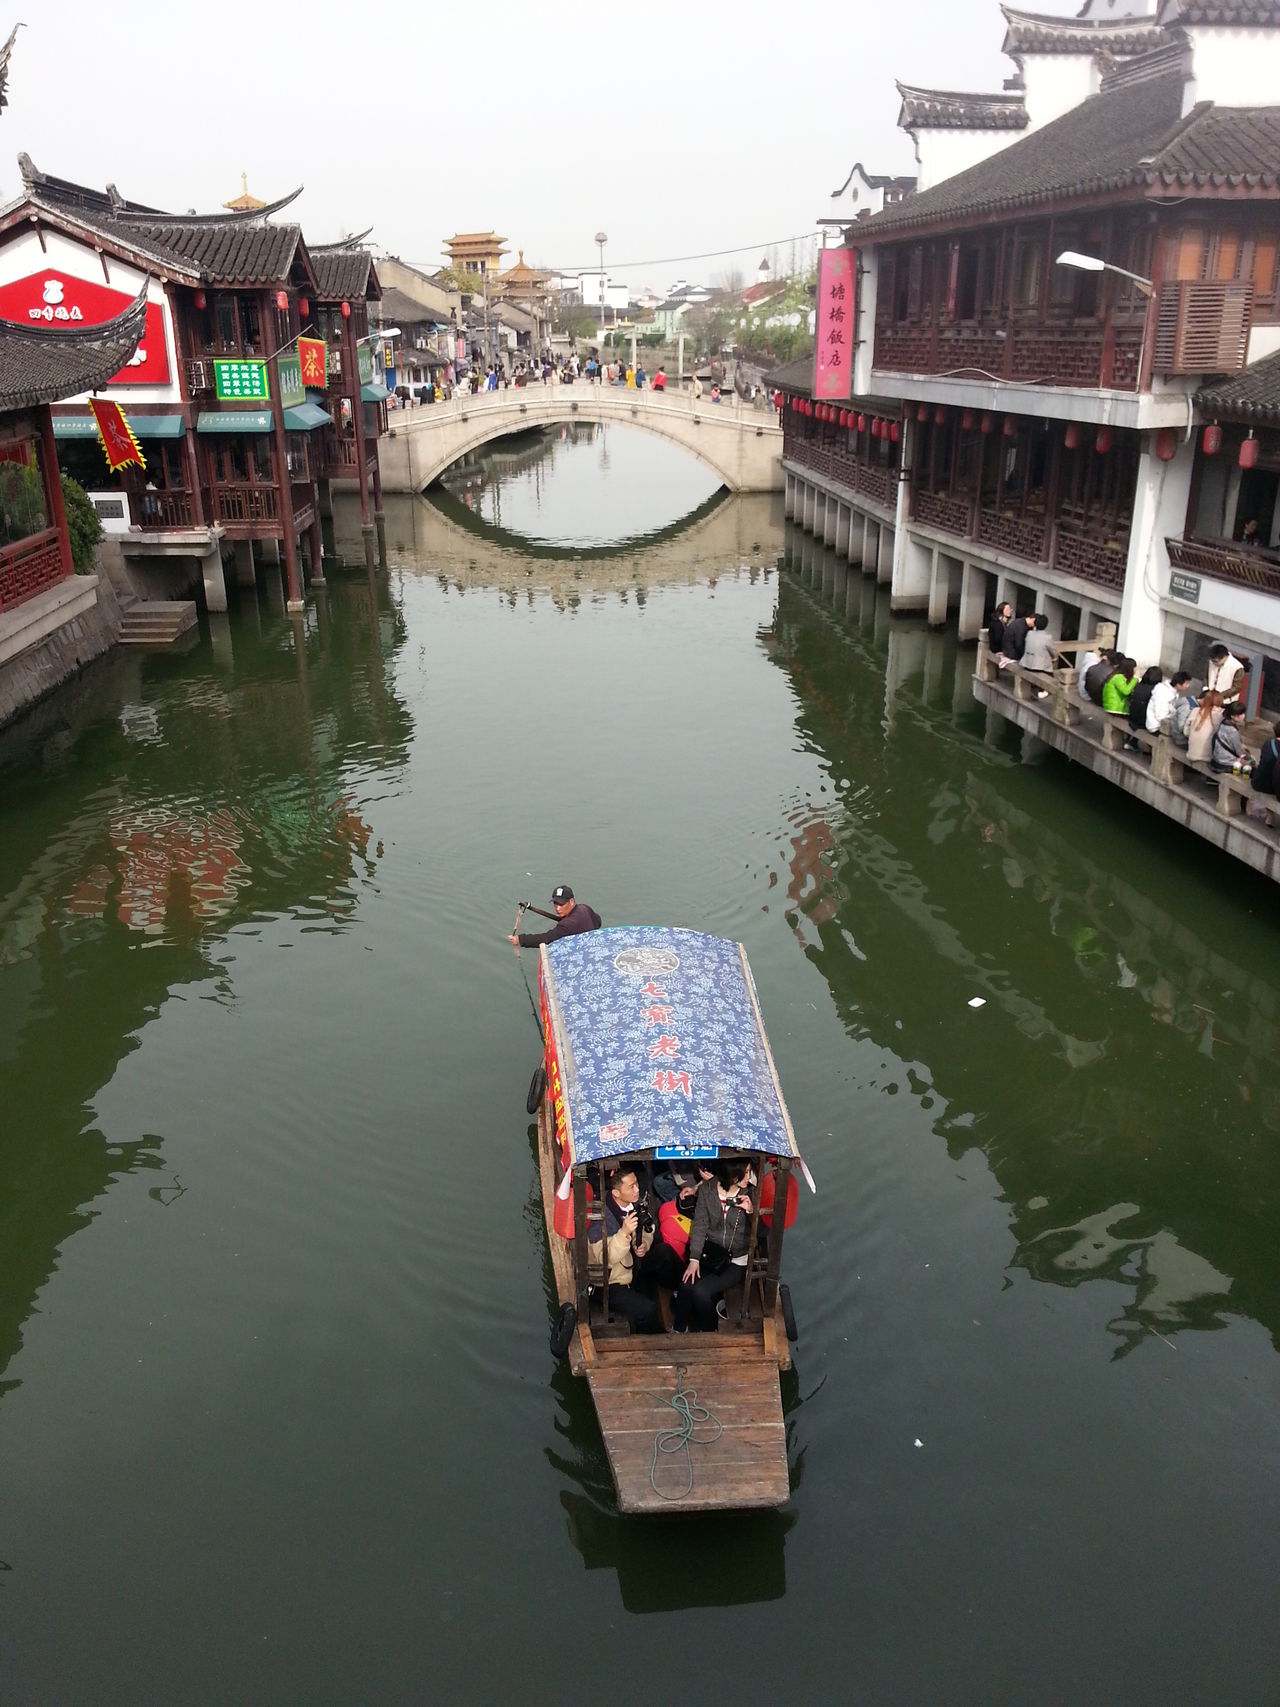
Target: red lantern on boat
column 202, row 301
column 304, row 307
column 862, row 423
column 1166, row 444
column 346, row 309
column 768, row 1191
column 922, row 412
column 988, row 421
column 895, row 432
column 282, row 301
column 1010, row 426
column 562, row 1214
column 1249, row 452
column 1212, row 440
column 1071, row 438
column 1102, row 444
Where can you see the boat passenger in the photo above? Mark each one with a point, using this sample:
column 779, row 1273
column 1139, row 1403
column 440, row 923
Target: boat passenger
column 572, row 919
column 628, row 1246
column 718, row 1245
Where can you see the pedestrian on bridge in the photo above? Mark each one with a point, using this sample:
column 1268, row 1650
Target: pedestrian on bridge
column 695, row 391
column 660, row 379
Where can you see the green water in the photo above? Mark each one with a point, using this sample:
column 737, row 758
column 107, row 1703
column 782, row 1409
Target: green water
column 278, row 1420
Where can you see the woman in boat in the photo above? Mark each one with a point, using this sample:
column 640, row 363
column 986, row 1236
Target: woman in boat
column 719, row 1242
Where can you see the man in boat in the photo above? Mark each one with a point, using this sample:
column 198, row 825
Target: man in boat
column 628, row 1248
column 572, row 919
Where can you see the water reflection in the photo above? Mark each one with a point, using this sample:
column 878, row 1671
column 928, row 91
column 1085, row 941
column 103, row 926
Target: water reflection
column 1116, row 1082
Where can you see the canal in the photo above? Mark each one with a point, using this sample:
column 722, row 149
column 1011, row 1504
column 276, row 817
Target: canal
column 278, row 1420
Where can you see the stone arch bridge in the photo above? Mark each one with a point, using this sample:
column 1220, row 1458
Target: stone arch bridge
column 740, row 444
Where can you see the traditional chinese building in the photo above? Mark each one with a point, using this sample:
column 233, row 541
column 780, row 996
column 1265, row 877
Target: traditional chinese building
column 1050, row 410
column 216, row 393
column 346, row 288
column 478, row 252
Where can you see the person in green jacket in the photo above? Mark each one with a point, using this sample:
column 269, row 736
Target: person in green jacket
column 1117, row 688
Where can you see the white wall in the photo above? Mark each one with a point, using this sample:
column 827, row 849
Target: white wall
column 1159, row 512
column 22, row 256
column 1236, row 68
column 1056, row 82
column 866, row 328
column 942, row 153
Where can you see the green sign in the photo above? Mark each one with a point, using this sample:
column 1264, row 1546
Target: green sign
column 241, row 379
column 364, row 361
column 289, row 369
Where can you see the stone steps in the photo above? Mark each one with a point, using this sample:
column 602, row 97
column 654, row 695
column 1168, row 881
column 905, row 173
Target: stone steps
column 156, row 624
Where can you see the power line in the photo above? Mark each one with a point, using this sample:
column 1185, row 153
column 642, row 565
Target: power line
column 671, row 260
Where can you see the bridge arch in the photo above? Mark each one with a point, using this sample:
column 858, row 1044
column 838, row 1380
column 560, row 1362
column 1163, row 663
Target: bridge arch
column 741, row 446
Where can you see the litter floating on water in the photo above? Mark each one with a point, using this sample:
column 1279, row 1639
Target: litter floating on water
column 919, row 1442
column 977, row 1001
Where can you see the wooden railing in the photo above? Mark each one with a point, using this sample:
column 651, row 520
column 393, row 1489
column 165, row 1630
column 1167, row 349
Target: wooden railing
column 1026, row 349
column 1021, row 536
column 1221, row 560
column 30, row 566
column 246, row 503
column 873, row 480
column 173, row 509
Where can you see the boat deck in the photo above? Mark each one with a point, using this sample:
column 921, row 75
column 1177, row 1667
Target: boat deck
column 746, row 1466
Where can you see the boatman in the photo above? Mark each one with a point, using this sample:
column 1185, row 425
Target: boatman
column 572, row 919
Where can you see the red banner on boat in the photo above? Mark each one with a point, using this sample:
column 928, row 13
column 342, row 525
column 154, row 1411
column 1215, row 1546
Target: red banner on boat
column 122, row 449
column 835, row 331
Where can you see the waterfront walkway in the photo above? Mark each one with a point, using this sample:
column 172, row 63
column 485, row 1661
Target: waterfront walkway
column 1213, row 805
column 741, row 444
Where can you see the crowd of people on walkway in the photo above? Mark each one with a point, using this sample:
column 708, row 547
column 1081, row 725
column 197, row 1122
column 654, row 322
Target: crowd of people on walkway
column 1206, row 723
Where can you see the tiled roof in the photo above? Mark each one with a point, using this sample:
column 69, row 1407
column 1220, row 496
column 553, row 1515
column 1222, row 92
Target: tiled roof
column 229, row 250
column 1228, row 14
column 41, row 365
column 5, row 51
column 953, row 109
column 79, row 198
column 1253, row 395
column 401, row 310
column 115, row 239
column 876, row 181
column 1038, row 32
column 1130, row 137
column 796, row 376
column 343, row 273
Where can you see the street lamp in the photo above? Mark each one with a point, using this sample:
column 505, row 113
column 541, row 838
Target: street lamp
column 1091, row 264
column 601, row 239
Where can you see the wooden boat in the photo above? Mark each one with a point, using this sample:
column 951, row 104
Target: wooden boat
column 655, row 1051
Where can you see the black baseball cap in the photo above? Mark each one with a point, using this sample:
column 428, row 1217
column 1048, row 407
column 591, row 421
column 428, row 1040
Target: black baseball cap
column 560, row 894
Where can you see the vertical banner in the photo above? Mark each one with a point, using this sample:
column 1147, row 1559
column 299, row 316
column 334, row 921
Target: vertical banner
column 121, row 448
column 835, row 328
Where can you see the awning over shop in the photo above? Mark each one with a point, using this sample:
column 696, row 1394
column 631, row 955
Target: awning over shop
column 303, row 417
column 374, row 393
column 74, row 427
column 234, row 421
column 144, row 426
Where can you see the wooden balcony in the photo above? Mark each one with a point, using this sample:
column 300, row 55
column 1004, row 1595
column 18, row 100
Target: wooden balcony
column 1223, row 560
column 164, row 510
column 875, row 481
column 30, row 566
column 1028, row 350
column 245, row 505
column 1202, row 326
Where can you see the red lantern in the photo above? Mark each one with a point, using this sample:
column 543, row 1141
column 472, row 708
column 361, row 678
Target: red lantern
column 895, row 432
column 1010, row 426
column 304, row 307
column 1166, row 444
column 1212, row 441
column 939, row 415
column 1249, row 452
column 777, row 400
column 988, row 421
column 846, row 419
column 346, row 310
column 922, row 412
column 1102, row 444
column 1071, row 438
column 202, row 301
column 282, row 301
column 768, row 1191
column 862, row 423
column 562, row 1214
column 966, row 420
column 875, row 426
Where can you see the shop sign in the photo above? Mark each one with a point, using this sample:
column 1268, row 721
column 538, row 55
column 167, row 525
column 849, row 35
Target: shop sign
column 55, row 299
column 289, row 371
column 836, row 322
column 364, row 361
column 314, row 359
column 122, row 449
column 234, row 379
column 1184, row 587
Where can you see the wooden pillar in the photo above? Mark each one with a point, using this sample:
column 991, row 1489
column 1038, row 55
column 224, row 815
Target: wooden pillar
column 317, row 552
column 191, row 453
column 53, row 485
column 351, row 373
column 284, row 486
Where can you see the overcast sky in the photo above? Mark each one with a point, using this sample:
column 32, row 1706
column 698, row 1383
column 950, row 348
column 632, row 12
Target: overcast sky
column 678, row 126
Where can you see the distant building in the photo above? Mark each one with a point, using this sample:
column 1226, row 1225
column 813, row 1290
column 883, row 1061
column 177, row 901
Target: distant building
column 864, row 193
column 244, row 202
column 478, row 252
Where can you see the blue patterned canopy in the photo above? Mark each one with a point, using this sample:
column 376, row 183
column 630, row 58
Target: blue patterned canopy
column 661, row 1045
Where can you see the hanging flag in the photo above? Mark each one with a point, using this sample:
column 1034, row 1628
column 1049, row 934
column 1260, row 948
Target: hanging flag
column 121, row 448
column 313, row 356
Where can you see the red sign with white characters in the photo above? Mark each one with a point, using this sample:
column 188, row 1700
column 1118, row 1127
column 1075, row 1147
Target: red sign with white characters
column 55, row 299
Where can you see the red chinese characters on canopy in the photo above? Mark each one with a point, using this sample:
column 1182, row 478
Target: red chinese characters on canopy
column 118, row 442
column 56, row 299
column 666, row 1081
column 311, row 357
column 835, row 332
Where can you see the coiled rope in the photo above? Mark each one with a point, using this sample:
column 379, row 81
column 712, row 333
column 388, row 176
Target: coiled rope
column 668, row 1441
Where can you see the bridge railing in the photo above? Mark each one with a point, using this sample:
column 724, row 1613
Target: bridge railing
column 585, row 391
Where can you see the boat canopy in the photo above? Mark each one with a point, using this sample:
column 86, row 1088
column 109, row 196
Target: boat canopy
column 660, row 1045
